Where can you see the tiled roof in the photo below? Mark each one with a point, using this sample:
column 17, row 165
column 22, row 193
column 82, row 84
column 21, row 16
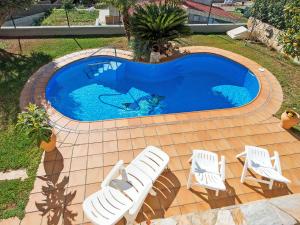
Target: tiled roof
column 205, row 8
column 216, row 11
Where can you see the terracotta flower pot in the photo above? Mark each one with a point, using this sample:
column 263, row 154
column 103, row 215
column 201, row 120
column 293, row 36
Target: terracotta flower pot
column 49, row 146
column 289, row 118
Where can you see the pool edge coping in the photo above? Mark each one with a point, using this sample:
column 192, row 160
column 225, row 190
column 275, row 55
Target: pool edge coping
column 270, row 92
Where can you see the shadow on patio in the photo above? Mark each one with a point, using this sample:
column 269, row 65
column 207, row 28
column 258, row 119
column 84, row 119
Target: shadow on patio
column 56, row 198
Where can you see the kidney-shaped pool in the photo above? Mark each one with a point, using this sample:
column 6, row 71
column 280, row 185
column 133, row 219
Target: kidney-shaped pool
column 104, row 87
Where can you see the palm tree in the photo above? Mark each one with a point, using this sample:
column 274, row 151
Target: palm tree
column 156, row 24
column 123, row 6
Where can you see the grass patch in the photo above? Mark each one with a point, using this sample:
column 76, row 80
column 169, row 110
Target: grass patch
column 57, row 17
column 18, row 152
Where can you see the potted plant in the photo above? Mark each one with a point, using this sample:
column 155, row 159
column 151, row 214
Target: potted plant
column 35, row 122
column 289, row 118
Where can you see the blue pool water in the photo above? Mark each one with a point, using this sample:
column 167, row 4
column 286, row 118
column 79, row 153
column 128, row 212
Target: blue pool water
column 103, row 87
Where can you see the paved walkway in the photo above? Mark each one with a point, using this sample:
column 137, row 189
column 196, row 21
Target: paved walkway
column 87, row 151
column 276, row 211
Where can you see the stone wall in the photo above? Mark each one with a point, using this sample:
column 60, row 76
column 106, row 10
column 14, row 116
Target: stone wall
column 264, row 33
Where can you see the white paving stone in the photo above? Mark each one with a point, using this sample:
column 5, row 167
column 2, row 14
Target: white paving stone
column 264, row 213
column 290, row 205
column 224, row 218
column 277, row 211
column 14, row 174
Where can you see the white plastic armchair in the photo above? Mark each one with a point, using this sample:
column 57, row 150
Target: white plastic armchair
column 259, row 160
column 207, row 170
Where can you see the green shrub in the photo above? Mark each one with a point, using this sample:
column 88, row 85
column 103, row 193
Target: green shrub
column 291, row 36
column 269, row 11
column 35, row 123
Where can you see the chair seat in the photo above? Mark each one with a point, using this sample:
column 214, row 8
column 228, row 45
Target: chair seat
column 258, row 159
column 205, row 168
column 210, row 180
column 106, row 206
column 270, row 173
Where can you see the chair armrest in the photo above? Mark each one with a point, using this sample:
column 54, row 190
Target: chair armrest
column 115, row 171
column 242, row 154
column 276, row 159
column 222, row 167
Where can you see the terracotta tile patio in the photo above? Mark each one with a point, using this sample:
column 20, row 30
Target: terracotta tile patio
column 87, row 151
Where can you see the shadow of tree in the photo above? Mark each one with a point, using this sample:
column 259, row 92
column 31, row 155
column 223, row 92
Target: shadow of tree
column 54, row 205
column 14, row 72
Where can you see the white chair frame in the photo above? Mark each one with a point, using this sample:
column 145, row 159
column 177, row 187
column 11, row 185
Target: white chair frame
column 276, row 166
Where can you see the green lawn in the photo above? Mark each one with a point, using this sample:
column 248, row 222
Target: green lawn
column 18, row 152
column 76, row 17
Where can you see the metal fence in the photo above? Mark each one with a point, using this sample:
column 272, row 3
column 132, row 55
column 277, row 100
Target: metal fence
column 199, row 12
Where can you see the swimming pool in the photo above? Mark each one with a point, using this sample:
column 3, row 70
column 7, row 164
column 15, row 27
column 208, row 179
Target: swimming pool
column 105, row 87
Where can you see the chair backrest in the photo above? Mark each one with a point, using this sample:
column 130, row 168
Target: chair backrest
column 150, row 161
column 136, row 186
column 205, row 160
column 258, row 155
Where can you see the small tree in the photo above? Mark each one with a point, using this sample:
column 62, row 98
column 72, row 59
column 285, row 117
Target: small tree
column 8, row 7
column 155, row 24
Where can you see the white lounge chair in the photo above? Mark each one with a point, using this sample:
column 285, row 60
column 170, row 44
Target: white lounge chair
column 123, row 191
column 122, row 194
column 152, row 161
column 205, row 168
column 259, row 160
column 238, row 33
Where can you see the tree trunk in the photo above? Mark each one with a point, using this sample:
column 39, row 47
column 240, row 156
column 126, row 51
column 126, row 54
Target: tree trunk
column 67, row 15
column 4, row 15
column 126, row 23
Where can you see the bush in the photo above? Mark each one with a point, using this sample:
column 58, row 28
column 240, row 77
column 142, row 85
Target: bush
column 269, row 11
column 35, row 123
column 291, row 36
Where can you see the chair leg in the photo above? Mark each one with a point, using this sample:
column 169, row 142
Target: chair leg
column 129, row 219
column 242, row 154
column 189, row 182
column 152, row 192
column 244, row 173
column 271, row 184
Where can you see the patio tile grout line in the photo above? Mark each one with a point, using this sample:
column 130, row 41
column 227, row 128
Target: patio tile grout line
column 234, row 127
column 68, row 186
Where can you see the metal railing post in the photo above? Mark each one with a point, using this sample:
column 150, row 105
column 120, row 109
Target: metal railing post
column 211, row 3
